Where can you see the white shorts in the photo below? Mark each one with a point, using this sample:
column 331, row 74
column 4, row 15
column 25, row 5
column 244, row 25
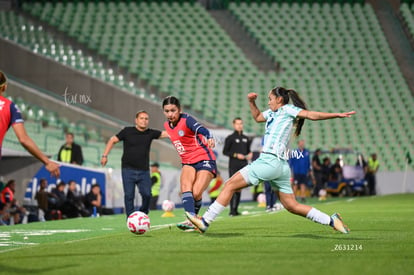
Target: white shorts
column 269, row 168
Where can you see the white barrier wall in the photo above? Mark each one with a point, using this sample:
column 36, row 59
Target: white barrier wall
column 393, row 182
column 387, row 183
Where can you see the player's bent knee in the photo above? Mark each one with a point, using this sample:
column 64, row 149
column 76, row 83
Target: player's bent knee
column 231, row 185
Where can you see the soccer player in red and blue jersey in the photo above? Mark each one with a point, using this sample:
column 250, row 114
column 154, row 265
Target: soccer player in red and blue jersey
column 193, row 143
column 11, row 116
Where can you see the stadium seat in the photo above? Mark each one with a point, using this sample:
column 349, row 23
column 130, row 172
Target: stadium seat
column 369, row 44
column 332, row 52
column 47, row 129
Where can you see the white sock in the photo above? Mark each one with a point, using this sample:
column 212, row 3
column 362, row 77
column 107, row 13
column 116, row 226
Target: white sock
column 318, row 216
column 213, row 211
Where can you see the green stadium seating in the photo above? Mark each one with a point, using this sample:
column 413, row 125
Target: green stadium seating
column 332, row 52
column 407, row 13
column 47, row 131
column 188, row 53
column 338, row 54
column 39, row 41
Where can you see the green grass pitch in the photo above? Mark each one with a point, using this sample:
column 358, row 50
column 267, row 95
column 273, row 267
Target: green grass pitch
column 381, row 242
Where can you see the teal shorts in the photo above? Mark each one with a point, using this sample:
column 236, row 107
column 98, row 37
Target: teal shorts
column 269, row 168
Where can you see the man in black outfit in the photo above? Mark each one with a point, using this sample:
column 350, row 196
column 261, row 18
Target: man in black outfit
column 317, row 172
column 70, row 152
column 94, row 199
column 237, row 148
column 135, row 160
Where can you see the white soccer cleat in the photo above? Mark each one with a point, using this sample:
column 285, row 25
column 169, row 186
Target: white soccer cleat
column 197, row 221
column 186, row 226
column 338, row 224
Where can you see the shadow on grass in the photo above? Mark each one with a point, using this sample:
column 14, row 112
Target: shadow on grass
column 333, row 237
column 318, row 237
column 32, row 270
column 223, row 235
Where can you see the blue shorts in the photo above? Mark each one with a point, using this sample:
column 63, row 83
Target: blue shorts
column 300, row 179
column 269, row 168
column 208, row 165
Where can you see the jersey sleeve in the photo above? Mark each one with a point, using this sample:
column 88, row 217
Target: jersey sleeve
column 226, row 147
column 197, row 128
column 121, row 135
column 266, row 113
column 292, row 110
column 156, row 133
column 7, row 197
column 16, row 115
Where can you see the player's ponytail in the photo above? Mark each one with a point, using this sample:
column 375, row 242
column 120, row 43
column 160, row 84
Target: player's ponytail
column 171, row 100
column 3, row 79
column 296, row 100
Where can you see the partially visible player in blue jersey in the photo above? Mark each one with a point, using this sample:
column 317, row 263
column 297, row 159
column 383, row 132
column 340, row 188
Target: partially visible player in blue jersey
column 300, row 164
column 193, row 143
column 272, row 164
column 11, row 116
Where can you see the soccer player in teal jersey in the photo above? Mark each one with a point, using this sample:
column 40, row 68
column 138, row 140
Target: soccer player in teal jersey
column 272, row 165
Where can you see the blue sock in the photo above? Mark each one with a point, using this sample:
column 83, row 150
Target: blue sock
column 197, row 206
column 188, row 202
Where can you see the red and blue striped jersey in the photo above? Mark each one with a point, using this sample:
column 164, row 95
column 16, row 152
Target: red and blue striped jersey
column 190, row 140
column 9, row 114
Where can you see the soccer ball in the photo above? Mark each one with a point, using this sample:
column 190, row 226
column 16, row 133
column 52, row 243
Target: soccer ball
column 261, row 198
column 322, row 194
column 278, row 206
column 138, row 223
column 168, row 205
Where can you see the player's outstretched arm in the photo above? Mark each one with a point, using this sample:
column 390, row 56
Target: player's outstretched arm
column 113, row 140
column 312, row 115
column 198, row 128
column 32, row 148
column 256, row 114
column 164, row 134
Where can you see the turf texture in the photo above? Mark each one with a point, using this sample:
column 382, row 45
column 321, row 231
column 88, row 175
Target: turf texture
column 381, row 241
